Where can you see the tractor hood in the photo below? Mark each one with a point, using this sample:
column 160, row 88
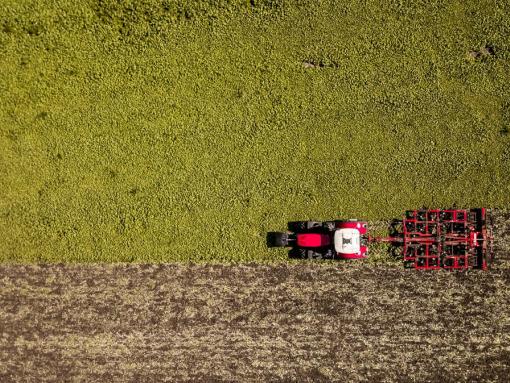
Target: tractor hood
column 347, row 241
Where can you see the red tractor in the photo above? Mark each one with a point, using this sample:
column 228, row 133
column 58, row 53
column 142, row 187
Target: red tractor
column 424, row 239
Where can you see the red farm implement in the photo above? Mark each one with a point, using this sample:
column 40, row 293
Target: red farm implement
column 427, row 239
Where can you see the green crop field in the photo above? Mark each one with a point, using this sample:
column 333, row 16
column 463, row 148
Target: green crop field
column 173, row 130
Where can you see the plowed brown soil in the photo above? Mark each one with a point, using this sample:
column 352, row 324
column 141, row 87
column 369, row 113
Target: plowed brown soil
column 501, row 225
column 311, row 322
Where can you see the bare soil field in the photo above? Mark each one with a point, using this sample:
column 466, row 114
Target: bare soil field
column 311, row 322
column 501, row 228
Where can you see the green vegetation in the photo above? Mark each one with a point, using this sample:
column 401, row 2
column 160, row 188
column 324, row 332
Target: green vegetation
column 159, row 130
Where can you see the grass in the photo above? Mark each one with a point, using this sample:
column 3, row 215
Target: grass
column 184, row 131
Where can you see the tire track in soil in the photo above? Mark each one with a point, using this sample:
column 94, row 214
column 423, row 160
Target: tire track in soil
column 306, row 322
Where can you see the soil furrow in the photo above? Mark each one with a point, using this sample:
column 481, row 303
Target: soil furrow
column 311, row 322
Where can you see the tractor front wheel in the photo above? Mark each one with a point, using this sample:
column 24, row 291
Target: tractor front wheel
column 302, row 226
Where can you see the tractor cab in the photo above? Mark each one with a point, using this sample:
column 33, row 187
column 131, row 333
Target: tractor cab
column 347, row 241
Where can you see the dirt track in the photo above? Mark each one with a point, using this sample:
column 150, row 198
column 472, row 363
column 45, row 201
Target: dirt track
column 252, row 323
